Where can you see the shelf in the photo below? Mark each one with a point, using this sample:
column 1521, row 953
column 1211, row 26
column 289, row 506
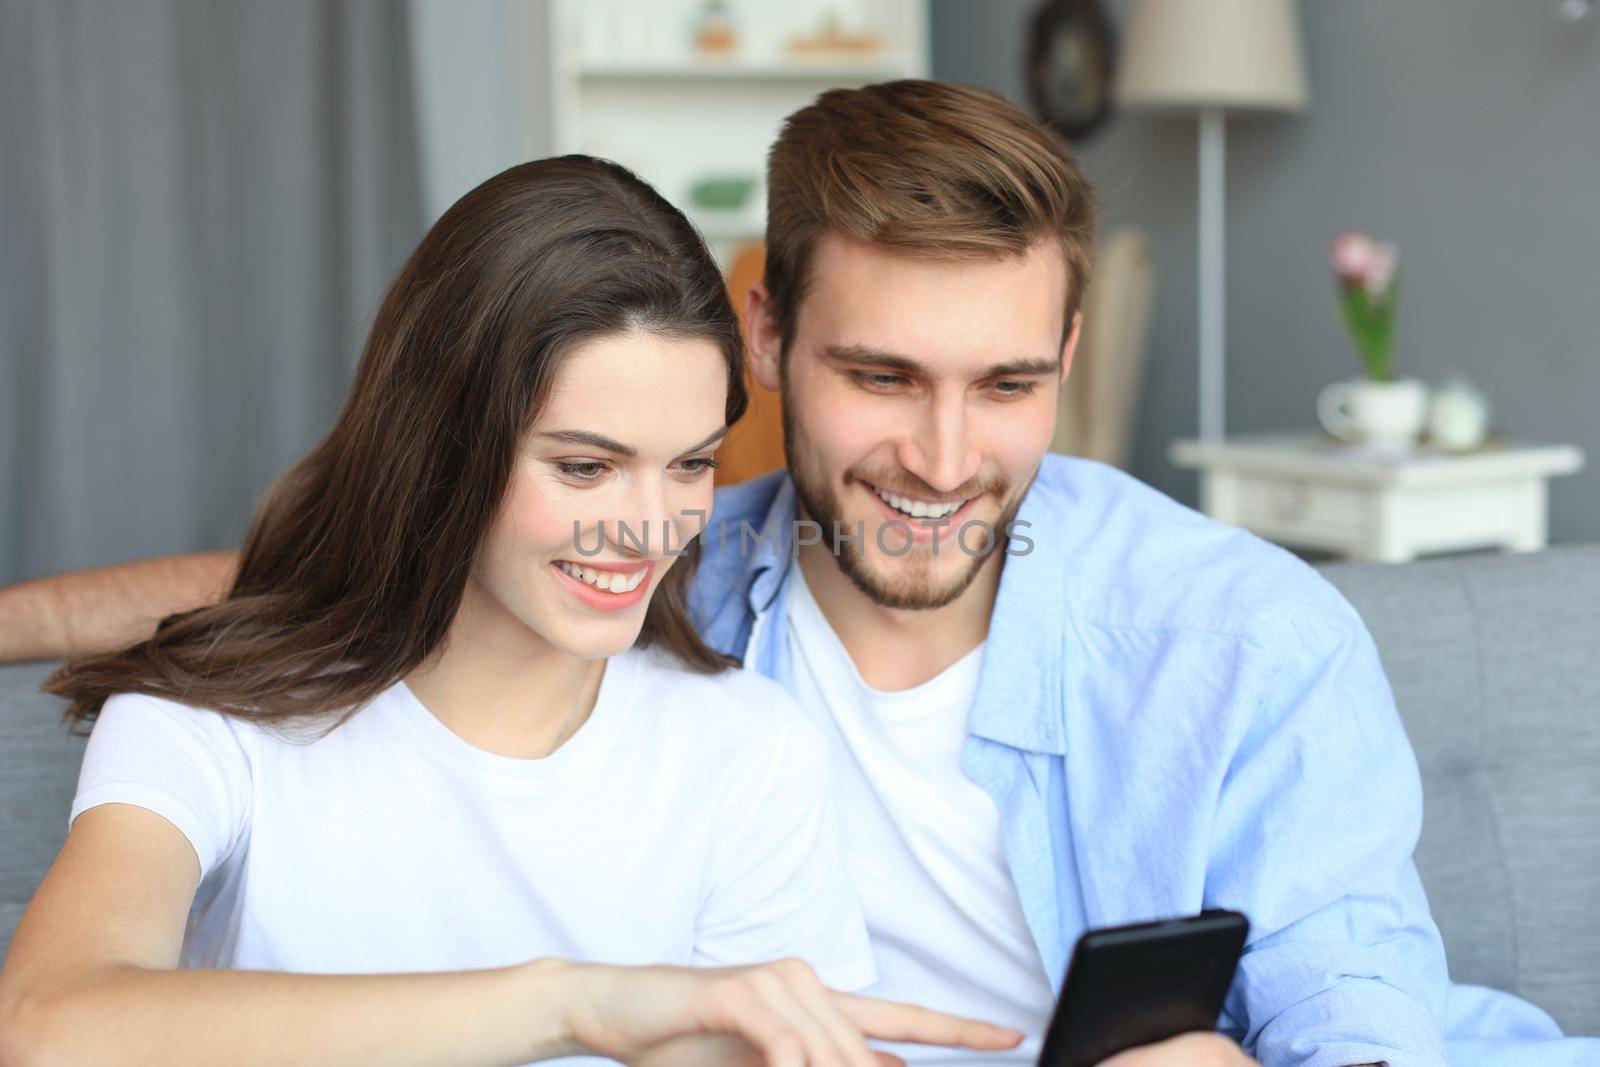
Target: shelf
column 728, row 227
column 884, row 69
column 1314, row 455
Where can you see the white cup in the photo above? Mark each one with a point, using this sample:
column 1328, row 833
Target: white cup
column 1386, row 414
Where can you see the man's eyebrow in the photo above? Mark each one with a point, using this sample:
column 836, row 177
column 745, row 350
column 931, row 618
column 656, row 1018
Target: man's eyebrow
column 607, row 444
column 1026, row 367
column 873, row 357
column 1021, row 368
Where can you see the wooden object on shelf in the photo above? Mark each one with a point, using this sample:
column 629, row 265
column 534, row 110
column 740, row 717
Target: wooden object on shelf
column 831, row 40
column 714, row 34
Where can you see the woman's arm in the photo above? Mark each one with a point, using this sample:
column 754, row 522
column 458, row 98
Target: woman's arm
column 83, row 612
column 89, row 979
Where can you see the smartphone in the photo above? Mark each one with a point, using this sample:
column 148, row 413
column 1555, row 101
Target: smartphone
column 1136, row 985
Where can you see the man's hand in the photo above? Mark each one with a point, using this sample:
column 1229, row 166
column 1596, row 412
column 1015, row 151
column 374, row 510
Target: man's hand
column 84, row 612
column 1185, row 1050
column 1189, row 1050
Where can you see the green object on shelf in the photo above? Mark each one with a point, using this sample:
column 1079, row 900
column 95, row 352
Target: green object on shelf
column 723, row 192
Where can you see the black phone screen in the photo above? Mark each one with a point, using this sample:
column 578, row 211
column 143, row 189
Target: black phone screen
column 1136, row 985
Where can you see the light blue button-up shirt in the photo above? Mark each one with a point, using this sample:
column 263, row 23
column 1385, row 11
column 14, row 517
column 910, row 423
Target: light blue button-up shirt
column 1175, row 715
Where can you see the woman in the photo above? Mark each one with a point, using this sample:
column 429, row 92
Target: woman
column 381, row 804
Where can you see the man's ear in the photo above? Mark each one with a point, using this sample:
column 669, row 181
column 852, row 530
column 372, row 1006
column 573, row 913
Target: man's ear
column 1070, row 349
column 762, row 340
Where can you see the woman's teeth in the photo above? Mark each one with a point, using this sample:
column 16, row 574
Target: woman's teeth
column 916, row 509
column 605, row 581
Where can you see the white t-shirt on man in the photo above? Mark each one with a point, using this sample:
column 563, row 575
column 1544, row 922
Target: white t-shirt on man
column 924, row 841
column 687, row 821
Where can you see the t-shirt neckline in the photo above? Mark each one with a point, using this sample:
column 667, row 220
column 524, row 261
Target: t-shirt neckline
column 921, row 699
column 593, row 738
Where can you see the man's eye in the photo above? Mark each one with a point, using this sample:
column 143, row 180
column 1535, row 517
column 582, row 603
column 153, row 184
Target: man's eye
column 583, row 470
column 878, row 381
column 1010, row 389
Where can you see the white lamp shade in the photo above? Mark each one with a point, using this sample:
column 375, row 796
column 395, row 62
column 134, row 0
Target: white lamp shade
column 1243, row 54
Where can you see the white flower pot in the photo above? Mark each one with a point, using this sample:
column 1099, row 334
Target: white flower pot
column 1384, row 414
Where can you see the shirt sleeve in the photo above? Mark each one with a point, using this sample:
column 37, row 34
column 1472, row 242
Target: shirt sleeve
column 780, row 886
column 1319, row 815
column 185, row 764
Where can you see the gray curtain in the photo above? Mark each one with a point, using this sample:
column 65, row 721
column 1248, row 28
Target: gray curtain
column 200, row 205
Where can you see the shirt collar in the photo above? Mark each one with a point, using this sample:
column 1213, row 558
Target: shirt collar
column 773, row 549
column 1020, row 691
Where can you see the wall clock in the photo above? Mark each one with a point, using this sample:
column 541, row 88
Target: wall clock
column 1070, row 57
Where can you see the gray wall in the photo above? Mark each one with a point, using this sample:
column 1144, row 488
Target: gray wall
column 1466, row 130
column 484, row 94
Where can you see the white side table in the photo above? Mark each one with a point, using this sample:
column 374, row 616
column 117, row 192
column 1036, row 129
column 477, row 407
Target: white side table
column 1313, row 491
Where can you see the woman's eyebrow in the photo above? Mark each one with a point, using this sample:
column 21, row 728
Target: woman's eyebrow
column 592, row 439
column 710, row 439
column 609, row 444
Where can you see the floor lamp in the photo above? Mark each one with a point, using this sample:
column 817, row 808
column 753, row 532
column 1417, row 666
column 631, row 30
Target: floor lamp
column 1214, row 57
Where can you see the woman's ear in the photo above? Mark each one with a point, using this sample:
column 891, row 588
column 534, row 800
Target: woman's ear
column 763, row 341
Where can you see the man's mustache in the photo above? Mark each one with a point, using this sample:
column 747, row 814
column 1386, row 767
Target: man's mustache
column 904, row 483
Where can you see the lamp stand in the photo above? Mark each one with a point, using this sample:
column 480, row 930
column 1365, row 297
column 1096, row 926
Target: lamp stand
column 1213, row 272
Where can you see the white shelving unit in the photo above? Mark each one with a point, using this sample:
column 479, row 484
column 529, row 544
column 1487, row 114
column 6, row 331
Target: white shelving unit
column 625, row 82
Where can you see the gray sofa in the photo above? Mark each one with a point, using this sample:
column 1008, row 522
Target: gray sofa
column 1495, row 665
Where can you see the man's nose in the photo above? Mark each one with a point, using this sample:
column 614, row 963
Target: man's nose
column 939, row 450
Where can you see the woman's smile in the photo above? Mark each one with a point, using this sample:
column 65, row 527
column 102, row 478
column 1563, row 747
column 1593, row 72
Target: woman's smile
column 606, row 586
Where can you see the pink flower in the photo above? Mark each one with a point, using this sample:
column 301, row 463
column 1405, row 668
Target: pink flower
column 1351, row 254
column 1380, row 269
column 1358, row 260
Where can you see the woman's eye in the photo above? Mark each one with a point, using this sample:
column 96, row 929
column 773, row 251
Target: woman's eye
column 583, row 470
column 698, row 465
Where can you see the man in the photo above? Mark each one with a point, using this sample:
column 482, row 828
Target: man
column 1058, row 698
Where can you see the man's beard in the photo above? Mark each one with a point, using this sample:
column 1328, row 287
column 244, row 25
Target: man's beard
column 911, row 592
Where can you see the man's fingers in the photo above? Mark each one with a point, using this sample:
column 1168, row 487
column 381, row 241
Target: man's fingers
column 891, row 1021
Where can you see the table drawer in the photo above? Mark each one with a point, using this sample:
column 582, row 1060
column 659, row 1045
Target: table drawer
column 1292, row 506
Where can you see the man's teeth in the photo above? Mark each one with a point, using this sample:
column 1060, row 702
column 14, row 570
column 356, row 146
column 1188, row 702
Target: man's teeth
column 605, row 581
column 917, row 509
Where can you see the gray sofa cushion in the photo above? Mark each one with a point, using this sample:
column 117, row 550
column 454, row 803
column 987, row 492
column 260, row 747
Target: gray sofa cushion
column 38, row 777
column 1495, row 665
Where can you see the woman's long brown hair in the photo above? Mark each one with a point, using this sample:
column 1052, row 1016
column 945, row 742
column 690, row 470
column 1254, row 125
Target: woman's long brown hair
column 358, row 556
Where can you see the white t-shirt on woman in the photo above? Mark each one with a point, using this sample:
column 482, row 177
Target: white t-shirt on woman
column 687, row 821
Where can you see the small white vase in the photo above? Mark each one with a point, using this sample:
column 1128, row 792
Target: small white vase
column 1458, row 417
column 1386, row 415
